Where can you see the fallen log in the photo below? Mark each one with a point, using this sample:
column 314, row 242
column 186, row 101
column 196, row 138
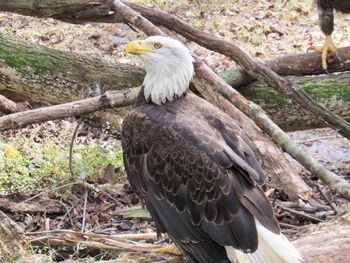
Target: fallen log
column 296, row 65
column 69, row 10
column 7, row 106
column 33, row 72
column 44, row 206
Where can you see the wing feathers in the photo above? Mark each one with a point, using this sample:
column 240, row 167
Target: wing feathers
column 198, row 172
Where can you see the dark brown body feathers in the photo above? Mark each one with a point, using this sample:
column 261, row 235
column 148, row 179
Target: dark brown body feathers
column 198, row 177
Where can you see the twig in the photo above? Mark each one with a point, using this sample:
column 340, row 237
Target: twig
column 319, row 139
column 118, row 237
column 68, row 212
column 331, row 204
column 304, row 206
column 287, row 225
column 71, row 145
column 104, row 244
column 84, row 211
column 301, row 214
column 47, row 191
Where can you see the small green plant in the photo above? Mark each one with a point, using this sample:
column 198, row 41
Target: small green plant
column 32, row 161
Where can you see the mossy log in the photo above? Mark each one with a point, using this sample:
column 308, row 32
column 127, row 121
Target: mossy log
column 35, row 72
column 330, row 91
column 293, row 65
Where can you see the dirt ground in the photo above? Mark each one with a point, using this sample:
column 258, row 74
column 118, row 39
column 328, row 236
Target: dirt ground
column 265, row 29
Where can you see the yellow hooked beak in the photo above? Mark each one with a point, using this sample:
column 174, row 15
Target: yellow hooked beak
column 136, row 48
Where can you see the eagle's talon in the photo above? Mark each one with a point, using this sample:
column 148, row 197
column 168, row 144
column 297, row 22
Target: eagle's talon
column 328, row 46
column 171, row 249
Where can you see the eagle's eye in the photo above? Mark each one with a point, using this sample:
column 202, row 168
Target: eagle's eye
column 157, row 45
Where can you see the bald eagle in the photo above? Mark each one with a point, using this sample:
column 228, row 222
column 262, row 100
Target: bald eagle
column 325, row 10
column 194, row 169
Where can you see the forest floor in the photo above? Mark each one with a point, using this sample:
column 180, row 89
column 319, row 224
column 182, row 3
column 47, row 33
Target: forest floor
column 34, row 166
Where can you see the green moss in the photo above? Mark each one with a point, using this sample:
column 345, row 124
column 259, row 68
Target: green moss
column 319, row 92
column 17, row 59
column 262, row 95
column 316, row 89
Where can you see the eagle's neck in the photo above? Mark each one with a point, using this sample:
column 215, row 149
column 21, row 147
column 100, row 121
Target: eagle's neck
column 163, row 84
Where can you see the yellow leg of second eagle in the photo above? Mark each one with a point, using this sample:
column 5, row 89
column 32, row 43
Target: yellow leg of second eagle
column 327, row 46
column 171, row 249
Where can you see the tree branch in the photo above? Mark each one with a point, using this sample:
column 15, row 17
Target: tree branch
column 253, row 68
column 110, row 99
column 207, row 77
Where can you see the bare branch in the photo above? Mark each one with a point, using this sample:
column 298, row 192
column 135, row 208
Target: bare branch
column 72, row 238
column 110, row 99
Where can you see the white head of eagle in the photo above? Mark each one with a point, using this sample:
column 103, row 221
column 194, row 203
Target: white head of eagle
column 168, row 64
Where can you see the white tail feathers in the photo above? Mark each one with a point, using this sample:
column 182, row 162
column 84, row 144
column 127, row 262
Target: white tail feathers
column 272, row 248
